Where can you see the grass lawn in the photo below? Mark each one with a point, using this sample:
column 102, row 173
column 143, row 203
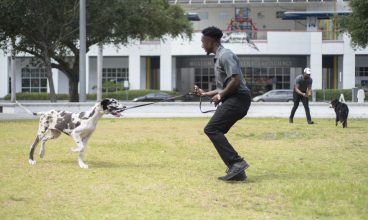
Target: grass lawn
column 168, row 169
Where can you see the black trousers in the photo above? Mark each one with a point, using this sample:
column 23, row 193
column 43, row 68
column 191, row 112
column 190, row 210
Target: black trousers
column 297, row 98
column 227, row 114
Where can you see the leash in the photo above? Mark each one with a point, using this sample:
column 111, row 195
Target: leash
column 151, row 103
column 169, row 99
column 200, row 106
column 25, row 109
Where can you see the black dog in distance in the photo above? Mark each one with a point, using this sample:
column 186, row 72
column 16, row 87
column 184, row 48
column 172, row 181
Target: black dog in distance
column 342, row 112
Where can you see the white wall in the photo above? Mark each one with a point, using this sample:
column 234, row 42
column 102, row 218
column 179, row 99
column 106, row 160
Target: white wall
column 4, row 77
column 348, row 64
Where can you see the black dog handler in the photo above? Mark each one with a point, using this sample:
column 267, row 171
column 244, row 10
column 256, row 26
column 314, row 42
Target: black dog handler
column 235, row 101
column 302, row 90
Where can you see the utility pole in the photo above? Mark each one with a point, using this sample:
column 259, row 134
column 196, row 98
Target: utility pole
column 13, row 85
column 99, row 71
column 82, row 50
column 13, row 79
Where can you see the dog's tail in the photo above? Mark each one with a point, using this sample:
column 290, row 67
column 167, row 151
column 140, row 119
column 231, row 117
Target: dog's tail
column 27, row 110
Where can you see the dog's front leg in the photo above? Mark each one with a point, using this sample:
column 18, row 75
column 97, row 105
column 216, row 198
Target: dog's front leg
column 80, row 160
column 78, row 140
column 77, row 136
column 81, row 153
column 31, row 161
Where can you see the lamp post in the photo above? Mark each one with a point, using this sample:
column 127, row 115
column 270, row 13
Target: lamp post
column 82, row 50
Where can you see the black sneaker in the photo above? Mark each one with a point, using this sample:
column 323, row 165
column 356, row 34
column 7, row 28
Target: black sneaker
column 240, row 177
column 291, row 120
column 235, row 170
column 310, row 122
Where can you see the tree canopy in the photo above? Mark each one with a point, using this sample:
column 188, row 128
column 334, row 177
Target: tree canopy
column 356, row 24
column 49, row 30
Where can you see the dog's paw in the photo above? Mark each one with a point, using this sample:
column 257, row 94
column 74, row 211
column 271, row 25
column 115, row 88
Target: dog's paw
column 31, row 162
column 76, row 149
column 83, row 165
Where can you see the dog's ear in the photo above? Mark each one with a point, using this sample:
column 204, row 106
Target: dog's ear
column 105, row 103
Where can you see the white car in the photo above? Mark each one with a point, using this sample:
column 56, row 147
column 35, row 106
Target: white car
column 277, row 95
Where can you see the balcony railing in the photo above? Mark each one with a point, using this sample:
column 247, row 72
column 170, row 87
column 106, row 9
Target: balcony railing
column 194, row 2
column 242, row 36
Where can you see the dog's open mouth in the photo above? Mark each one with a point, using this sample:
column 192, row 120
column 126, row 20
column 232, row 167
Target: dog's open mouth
column 117, row 112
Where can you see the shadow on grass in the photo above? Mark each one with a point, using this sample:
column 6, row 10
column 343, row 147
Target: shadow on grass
column 109, row 164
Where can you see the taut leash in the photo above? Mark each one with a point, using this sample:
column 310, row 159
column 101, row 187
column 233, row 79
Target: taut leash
column 169, row 99
column 151, row 103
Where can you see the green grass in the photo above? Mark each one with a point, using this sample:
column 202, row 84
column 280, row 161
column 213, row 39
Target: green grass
column 168, row 169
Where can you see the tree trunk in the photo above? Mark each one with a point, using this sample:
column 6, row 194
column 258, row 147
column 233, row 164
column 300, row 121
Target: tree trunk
column 73, row 90
column 53, row 97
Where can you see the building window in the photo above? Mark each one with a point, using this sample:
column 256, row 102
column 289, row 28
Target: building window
column 280, row 14
column 34, row 80
column 205, row 78
column 361, row 71
column 113, row 79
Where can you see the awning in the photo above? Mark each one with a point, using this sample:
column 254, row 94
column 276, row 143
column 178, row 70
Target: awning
column 302, row 15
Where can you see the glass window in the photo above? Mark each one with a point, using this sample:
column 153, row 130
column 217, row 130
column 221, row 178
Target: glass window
column 34, row 80
column 115, row 77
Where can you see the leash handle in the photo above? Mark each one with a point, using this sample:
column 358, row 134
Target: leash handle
column 200, row 107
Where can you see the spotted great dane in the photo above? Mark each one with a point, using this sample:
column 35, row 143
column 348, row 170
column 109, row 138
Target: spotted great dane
column 79, row 126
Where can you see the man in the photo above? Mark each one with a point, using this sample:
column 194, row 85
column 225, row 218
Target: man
column 302, row 90
column 235, row 100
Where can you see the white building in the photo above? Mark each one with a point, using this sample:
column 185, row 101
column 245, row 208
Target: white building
column 306, row 38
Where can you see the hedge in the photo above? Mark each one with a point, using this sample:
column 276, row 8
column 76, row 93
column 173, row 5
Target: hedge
column 121, row 95
column 331, row 94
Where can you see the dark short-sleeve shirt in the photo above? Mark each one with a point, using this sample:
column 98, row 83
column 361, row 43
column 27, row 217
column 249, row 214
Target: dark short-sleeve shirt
column 227, row 65
column 303, row 83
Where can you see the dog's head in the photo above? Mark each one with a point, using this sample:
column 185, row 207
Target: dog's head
column 112, row 106
column 334, row 103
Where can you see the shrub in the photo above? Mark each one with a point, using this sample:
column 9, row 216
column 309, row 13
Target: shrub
column 330, row 94
column 36, row 96
column 120, row 95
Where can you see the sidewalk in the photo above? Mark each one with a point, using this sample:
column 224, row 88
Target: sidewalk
column 12, row 111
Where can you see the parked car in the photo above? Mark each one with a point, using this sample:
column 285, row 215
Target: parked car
column 277, row 95
column 153, row 97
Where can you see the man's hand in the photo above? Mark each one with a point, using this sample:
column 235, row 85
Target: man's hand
column 198, row 91
column 309, row 92
column 305, row 95
column 216, row 99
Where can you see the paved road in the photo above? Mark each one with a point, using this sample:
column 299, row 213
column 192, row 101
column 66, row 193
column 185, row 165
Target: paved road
column 183, row 109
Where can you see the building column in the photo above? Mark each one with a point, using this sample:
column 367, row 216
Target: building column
column 4, row 74
column 134, row 68
column 55, row 78
column 316, row 59
column 165, row 67
column 87, row 74
column 348, row 69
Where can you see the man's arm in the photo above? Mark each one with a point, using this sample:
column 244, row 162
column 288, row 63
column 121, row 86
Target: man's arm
column 199, row 92
column 296, row 87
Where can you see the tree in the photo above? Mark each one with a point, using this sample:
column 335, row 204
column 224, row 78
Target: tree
column 36, row 31
column 356, row 24
column 113, row 21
